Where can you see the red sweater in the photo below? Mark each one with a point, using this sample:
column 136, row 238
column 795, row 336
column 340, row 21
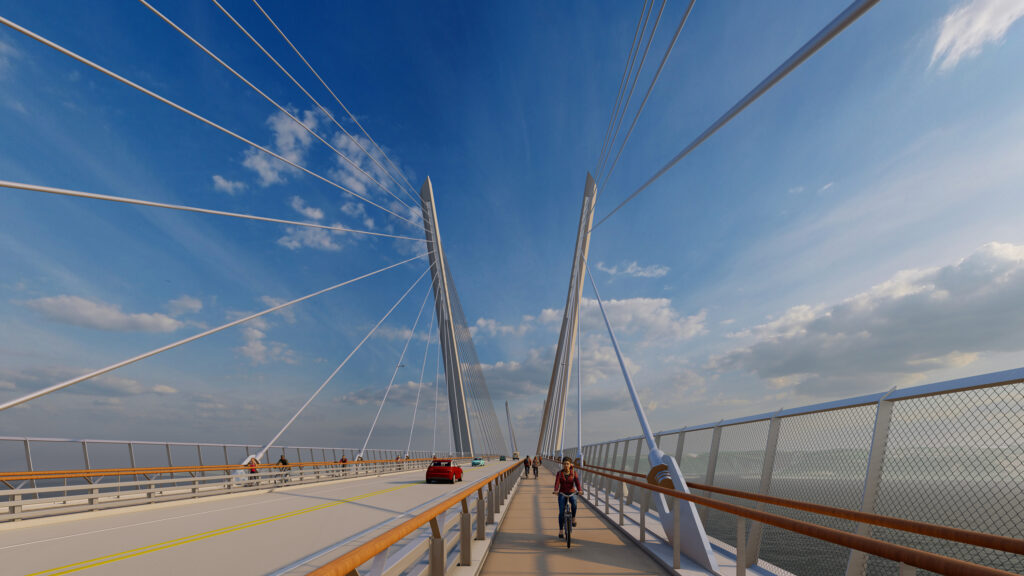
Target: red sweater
column 564, row 484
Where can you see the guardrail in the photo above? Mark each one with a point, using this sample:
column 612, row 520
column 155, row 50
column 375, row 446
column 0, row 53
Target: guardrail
column 905, row 556
column 950, row 453
column 433, row 554
column 55, row 492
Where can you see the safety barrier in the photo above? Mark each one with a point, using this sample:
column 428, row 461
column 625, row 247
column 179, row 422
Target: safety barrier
column 598, row 481
column 56, row 492
column 948, row 453
column 434, row 555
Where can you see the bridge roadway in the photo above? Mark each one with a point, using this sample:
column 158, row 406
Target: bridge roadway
column 253, row 533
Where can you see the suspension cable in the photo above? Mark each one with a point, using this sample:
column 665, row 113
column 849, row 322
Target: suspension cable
column 335, row 96
column 654, row 80
column 322, row 109
column 622, row 83
column 266, row 447
column 186, row 111
column 419, row 387
column 112, row 367
column 636, row 76
column 137, row 202
column 395, row 373
column 857, row 9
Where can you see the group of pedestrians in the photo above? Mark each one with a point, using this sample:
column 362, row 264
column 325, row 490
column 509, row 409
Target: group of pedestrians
column 529, row 464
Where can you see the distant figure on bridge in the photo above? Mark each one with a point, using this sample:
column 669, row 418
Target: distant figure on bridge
column 283, row 462
column 526, row 467
column 567, row 485
column 253, row 465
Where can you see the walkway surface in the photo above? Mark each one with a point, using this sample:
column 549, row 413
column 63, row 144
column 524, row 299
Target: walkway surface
column 528, row 541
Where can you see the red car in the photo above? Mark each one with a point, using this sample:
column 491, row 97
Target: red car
column 445, row 470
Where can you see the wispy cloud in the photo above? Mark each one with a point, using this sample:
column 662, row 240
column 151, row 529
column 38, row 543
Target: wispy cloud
column 258, row 349
column 100, row 315
column 972, row 25
column 290, row 141
column 230, row 187
column 184, row 305
column 635, row 270
column 918, row 320
column 7, row 55
column 299, row 205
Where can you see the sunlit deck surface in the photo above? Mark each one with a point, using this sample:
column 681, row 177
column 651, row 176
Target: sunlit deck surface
column 528, row 541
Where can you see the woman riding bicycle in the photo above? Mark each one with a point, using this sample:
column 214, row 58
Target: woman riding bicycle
column 567, row 485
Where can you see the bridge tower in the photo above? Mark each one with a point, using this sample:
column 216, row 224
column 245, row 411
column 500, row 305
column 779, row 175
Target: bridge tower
column 452, row 333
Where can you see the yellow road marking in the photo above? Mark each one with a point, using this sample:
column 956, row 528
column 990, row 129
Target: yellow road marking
column 102, row 560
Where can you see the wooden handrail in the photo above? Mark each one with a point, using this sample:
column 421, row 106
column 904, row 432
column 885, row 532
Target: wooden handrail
column 888, row 550
column 982, row 539
column 346, row 564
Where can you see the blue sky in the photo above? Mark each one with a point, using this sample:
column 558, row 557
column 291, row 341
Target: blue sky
column 857, row 228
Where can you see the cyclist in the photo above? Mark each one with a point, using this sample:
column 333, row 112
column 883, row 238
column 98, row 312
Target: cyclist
column 567, row 485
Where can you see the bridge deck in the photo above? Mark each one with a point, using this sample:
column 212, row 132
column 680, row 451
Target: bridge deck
column 528, row 541
column 254, row 533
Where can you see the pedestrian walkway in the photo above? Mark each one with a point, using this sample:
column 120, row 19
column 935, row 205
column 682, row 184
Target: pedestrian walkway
column 528, row 541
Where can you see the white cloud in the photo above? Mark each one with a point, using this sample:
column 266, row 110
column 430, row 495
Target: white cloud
column 917, row 321
column 317, row 238
column 299, row 205
column 652, row 320
column 635, row 270
column 100, row 315
column 972, row 25
column 291, row 141
column 258, row 349
column 231, row 187
column 354, row 209
column 185, row 305
column 491, row 327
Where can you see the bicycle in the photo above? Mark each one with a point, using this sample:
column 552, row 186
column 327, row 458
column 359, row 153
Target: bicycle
column 567, row 519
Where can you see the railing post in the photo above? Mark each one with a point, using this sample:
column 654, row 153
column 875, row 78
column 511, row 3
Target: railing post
column 622, row 502
column 676, row 529
column 481, row 529
column 883, row 416
column 644, row 498
column 679, row 447
column 767, row 466
column 14, row 508
column 437, row 559
column 636, row 465
column 709, row 477
column 490, row 503
column 741, row 546
column 465, row 535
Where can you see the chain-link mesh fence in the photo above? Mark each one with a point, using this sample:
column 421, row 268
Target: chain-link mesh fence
column 956, row 460
column 820, row 458
column 951, row 456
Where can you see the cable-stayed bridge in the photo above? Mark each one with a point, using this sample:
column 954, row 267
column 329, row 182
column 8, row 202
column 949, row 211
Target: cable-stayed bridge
column 926, row 478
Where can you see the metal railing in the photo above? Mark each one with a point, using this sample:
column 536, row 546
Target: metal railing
column 606, row 480
column 434, row 552
column 948, row 454
column 56, row 492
